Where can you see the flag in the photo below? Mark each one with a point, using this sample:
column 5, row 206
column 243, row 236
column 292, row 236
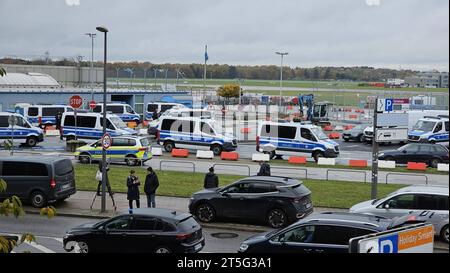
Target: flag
column 206, row 54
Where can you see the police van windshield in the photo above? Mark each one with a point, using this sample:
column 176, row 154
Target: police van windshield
column 21, row 122
column 118, row 122
column 424, row 125
column 319, row 133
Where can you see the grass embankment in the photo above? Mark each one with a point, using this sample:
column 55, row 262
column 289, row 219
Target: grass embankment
column 333, row 194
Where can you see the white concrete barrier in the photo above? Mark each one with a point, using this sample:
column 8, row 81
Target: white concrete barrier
column 386, row 164
column 52, row 133
column 205, row 154
column 339, row 128
column 442, row 167
column 156, row 151
column 326, row 161
column 260, row 157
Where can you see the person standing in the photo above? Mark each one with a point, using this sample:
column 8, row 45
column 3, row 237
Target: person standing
column 264, row 169
column 58, row 119
column 150, row 186
column 155, row 115
column 133, row 189
column 211, row 180
column 98, row 177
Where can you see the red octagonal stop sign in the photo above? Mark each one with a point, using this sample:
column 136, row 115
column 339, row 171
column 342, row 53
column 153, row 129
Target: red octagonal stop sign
column 76, row 101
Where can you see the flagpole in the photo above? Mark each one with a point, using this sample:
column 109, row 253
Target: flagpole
column 204, row 75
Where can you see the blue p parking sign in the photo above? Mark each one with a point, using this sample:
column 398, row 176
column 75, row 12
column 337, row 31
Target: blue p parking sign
column 389, row 105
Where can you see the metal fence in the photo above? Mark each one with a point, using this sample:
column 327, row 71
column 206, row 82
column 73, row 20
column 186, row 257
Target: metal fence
column 406, row 174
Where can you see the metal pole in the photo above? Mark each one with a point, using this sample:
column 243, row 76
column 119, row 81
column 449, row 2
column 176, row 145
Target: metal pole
column 375, row 150
column 92, row 67
column 12, row 139
column 154, row 69
column 281, row 78
column 166, row 78
column 145, row 79
column 104, row 174
column 117, row 76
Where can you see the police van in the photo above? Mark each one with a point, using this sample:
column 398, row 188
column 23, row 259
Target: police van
column 89, row 126
column 291, row 138
column 193, row 133
column 122, row 110
column 160, row 108
column 23, row 131
column 179, row 112
column 431, row 129
column 41, row 115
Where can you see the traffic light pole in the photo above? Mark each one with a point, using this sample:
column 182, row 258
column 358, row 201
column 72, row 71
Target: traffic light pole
column 375, row 151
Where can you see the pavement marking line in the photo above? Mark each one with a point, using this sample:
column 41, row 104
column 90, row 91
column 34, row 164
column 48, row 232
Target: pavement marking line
column 40, row 247
column 59, row 240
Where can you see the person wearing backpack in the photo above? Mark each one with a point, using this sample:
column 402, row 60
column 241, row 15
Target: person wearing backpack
column 150, row 187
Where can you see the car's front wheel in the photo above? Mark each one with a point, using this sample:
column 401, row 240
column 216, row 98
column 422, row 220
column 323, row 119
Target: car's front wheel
column 85, row 158
column 205, row 213
column 83, row 247
column 444, row 234
column 277, row 218
column 434, row 162
column 163, row 250
column 169, row 146
column 31, row 141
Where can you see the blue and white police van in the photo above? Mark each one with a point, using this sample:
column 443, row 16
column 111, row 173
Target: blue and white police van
column 193, row 133
column 41, row 114
column 179, row 112
column 122, row 110
column 23, row 131
column 431, row 129
column 160, row 108
column 88, row 125
column 278, row 139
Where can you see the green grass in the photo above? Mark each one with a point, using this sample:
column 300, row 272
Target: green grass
column 275, row 83
column 337, row 194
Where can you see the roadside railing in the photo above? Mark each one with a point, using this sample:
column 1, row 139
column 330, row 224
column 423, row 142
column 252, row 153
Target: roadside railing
column 406, row 174
column 190, row 163
column 290, row 170
column 234, row 166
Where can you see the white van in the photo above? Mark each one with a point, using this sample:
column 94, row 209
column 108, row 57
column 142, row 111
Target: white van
column 181, row 113
column 39, row 114
column 122, row 110
column 291, row 138
column 160, row 108
column 431, row 129
column 193, row 133
column 89, row 126
column 22, row 131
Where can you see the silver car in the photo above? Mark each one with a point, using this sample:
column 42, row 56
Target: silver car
column 412, row 199
column 437, row 219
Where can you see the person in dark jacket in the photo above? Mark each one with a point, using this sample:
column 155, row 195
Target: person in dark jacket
column 211, row 180
column 150, row 186
column 155, row 115
column 58, row 119
column 100, row 166
column 133, row 189
column 264, row 169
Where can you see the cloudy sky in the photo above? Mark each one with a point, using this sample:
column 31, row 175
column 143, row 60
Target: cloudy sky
column 381, row 33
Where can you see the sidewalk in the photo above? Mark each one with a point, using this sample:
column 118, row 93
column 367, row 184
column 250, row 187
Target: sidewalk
column 78, row 206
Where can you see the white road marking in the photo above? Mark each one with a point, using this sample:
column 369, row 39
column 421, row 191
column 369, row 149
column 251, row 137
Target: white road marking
column 40, row 247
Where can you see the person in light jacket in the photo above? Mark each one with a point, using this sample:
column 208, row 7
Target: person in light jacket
column 133, row 189
column 150, row 186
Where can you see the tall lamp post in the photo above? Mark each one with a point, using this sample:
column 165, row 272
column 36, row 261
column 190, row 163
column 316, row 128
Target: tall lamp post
column 282, row 54
column 117, row 76
column 91, row 76
column 155, row 70
column 104, row 174
column 131, row 70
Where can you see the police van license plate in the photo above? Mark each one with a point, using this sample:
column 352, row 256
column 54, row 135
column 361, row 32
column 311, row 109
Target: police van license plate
column 197, row 247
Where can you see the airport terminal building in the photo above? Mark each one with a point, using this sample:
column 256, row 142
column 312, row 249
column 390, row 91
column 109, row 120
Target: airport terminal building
column 38, row 88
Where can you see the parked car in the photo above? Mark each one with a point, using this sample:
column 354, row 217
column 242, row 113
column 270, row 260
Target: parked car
column 356, row 133
column 431, row 154
column 141, row 230
column 327, row 232
column 438, row 219
column 37, row 179
column 276, row 201
column 414, row 199
column 132, row 150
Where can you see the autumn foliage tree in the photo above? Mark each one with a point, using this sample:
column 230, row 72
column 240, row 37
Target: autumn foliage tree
column 229, row 91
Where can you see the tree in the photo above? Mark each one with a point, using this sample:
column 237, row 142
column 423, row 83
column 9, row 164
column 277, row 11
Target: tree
column 13, row 206
column 229, row 91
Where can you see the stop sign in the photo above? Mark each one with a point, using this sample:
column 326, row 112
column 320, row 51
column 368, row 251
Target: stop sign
column 76, row 101
column 92, row 104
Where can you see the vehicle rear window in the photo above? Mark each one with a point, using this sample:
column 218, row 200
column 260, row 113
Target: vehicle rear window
column 152, row 107
column 146, row 223
column 115, row 109
column 187, row 224
column 51, row 111
column 63, row 167
column 432, row 202
column 13, row 168
column 301, row 189
column 4, row 121
column 182, row 126
column 275, row 131
column 33, row 111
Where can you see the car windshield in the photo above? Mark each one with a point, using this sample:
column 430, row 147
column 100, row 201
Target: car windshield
column 319, row 133
column 423, row 125
column 117, row 122
column 360, row 127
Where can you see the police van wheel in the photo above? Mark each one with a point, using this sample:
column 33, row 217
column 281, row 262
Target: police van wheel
column 38, row 199
column 85, row 159
column 169, row 146
column 318, row 155
column 31, row 141
column 131, row 161
column 216, row 149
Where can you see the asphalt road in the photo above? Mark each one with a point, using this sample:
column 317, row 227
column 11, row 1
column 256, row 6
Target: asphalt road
column 49, row 233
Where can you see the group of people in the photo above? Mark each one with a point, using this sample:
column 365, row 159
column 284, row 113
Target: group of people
column 151, row 183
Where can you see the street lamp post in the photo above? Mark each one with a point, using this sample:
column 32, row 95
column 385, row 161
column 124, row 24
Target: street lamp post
column 91, row 76
column 145, row 78
column 104, row 174
column 117, row 76
column 155, row 70
column 282, row 54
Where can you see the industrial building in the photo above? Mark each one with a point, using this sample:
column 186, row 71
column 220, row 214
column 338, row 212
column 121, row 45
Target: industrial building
column 428, row 79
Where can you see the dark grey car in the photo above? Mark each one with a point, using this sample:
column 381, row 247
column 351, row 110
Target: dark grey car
column 356, row 133
column 39, row 180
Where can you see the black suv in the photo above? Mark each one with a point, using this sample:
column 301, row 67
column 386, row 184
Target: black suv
column 276, row 201
column 320, row 233
column 141, row 230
